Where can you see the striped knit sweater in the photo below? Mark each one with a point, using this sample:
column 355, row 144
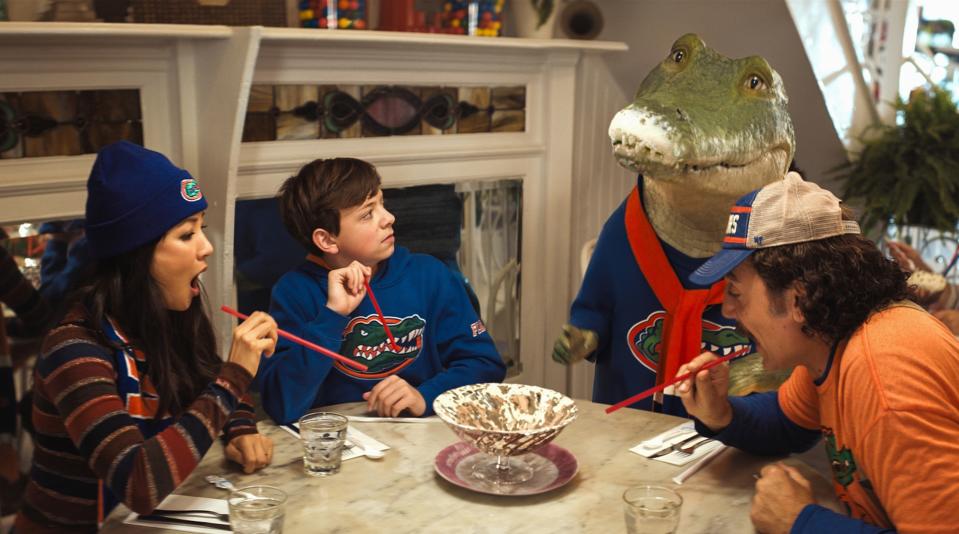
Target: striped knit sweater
column 87, row 437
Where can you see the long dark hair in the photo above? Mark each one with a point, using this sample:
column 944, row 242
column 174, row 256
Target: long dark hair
column 180, row 347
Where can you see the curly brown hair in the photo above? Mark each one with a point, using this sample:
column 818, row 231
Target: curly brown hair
column 314, row 197
column 841, row 280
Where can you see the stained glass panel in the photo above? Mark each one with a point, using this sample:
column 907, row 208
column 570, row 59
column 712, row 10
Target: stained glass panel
column 67, row 123
column 283, row 112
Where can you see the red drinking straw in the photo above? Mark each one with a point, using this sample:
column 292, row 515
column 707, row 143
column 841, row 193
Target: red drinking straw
column 680, row 378
column 301, row 341
column 379, row 312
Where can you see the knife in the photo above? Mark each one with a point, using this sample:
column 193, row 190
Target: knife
column 182, row 521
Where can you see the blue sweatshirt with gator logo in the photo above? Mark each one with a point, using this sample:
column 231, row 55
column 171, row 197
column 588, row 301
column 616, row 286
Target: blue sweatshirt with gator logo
column 442, row 343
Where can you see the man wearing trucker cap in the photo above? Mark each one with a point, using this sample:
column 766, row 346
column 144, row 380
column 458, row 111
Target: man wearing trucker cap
column 874, row 375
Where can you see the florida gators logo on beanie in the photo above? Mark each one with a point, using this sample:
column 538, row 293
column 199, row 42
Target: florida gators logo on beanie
column 190, row 190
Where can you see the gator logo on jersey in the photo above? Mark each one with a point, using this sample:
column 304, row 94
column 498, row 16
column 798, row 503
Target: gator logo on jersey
column 841, row 461
column 365, row 340
column 645, row 339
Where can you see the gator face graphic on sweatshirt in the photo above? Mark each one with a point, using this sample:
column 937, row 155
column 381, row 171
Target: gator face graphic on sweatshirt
column 365, row 341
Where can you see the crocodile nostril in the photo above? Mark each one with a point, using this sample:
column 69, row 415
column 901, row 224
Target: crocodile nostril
column 680, row 114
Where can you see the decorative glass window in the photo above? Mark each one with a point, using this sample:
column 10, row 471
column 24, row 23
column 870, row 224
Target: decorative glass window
column 67, row 123
column 284, row 112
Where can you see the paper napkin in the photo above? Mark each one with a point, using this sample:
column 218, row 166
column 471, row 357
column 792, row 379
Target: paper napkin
column 673, row 436
column 361, row 440
column 186, row 502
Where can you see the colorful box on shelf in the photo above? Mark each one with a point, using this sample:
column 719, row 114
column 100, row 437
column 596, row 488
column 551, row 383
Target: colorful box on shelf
column 458, row 17
column 474, row 17
column 334, row 14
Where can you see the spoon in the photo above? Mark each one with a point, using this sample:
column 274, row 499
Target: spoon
column 225, row 484
column 372, row 454
column 658, row 442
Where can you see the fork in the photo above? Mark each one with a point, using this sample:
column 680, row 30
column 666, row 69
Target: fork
column 218, row 515
column 684, row 448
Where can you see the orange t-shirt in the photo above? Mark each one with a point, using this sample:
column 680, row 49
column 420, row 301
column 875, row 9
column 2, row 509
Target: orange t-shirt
column 889, row 413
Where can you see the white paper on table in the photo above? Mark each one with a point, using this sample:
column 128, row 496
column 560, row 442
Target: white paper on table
column 673, row 436
column 691, row 470
column 361, row 440
column 678, row 458
column 678, row 434
column 186, row 502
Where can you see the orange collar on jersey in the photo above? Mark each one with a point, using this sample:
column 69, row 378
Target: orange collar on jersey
column 683, row 327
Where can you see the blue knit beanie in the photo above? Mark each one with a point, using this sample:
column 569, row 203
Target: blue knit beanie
column 134, row 196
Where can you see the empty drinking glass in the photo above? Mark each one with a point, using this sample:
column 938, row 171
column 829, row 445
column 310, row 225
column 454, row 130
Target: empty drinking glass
column 257, row 510
column 323, row 435
column 652, row 510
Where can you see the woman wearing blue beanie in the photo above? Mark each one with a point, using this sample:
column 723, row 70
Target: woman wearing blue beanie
column 129, row 390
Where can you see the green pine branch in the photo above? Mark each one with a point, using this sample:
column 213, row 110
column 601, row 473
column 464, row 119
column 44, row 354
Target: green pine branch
column 909, row 173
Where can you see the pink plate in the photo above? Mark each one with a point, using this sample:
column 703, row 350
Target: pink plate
column 553, row 466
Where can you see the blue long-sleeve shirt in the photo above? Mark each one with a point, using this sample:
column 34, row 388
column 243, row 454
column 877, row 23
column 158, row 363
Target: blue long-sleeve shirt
column 760, row 415
column 443, row 344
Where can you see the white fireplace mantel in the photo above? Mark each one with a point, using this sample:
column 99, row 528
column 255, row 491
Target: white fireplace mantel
column 194, row 84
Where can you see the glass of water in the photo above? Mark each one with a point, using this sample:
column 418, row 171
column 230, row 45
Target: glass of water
column 323, row 435
column 652, row 510
column 257, row 510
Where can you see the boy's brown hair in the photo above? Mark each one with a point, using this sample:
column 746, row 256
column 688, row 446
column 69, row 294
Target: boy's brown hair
column 314, row 197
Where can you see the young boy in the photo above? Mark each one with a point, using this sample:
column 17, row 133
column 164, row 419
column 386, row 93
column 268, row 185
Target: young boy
column 334, row 207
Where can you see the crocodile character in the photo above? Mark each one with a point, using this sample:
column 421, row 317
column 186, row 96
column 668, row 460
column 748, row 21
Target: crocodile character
column 702, row 131
column 365, row 340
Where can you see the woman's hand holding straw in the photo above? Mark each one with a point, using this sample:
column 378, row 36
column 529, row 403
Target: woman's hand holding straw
column 300, row 341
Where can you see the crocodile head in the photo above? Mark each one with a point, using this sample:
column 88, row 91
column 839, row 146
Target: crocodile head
column 708, row 122
column 365, row 341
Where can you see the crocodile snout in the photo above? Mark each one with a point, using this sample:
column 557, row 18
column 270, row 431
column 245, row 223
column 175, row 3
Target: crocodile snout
column 642, row 136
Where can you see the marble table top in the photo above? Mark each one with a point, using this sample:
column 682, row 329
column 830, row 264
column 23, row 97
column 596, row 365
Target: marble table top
column 402, row 493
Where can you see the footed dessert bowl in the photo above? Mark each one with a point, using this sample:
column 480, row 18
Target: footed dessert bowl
column 505, row 421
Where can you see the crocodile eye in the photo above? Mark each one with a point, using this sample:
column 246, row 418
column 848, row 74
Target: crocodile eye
column 678, row 55
column 755, row 83
column 364, row 333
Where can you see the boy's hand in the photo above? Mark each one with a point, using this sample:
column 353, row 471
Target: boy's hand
column 346, row 288
column 252, row 451
column 393, row 395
